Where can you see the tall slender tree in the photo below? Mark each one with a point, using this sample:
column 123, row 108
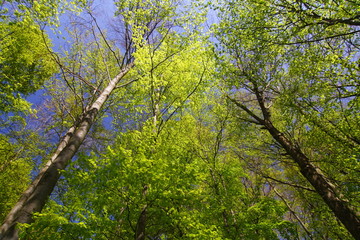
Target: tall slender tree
column 273, row 57
column 144, row 23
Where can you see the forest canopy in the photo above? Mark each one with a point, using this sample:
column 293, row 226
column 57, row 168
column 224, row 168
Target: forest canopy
column 166, row 119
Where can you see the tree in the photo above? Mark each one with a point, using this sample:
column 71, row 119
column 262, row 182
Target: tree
column 142, row 28
column 309, row 78
column 139, row 169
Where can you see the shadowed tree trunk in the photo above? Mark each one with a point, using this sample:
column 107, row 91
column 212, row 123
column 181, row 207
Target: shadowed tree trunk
column 141, row 223
column 323, row 187
column 315, row 177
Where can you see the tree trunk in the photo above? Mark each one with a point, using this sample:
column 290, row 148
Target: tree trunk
column 34, row 198
column 141, row 223
column 317, row 179
column 322, row 186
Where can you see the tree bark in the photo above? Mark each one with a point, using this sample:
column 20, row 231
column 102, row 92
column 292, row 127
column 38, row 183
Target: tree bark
column 327, row 190
column 34, row 198
column 323, row 187
column 141, row 223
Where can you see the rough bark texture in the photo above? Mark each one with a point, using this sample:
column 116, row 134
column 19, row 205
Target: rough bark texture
column 322, row 186
column 141, row 223
column 35, row 197
column 316, row 178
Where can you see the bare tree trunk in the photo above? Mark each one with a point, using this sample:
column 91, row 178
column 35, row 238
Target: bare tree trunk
column 327, row 190
column 35, row 197
column 141, row 223
column 323, row 187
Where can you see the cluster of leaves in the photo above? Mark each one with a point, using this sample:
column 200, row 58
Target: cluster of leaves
column 25, row 61
column 14, row 171
column 24, row 64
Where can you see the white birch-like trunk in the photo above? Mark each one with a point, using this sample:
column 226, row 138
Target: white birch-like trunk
column 34, row 198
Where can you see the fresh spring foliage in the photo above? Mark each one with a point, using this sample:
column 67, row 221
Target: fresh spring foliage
column 207, row 134
column 25, row 64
